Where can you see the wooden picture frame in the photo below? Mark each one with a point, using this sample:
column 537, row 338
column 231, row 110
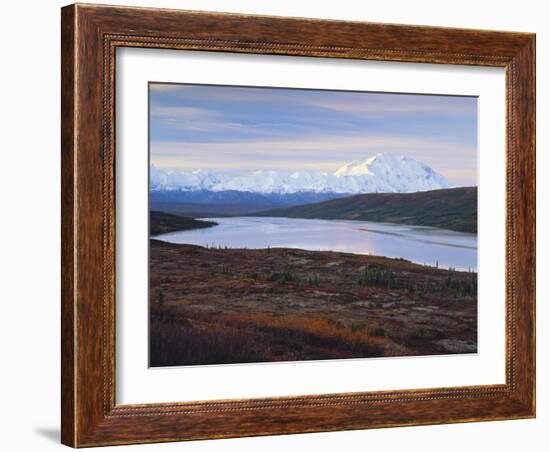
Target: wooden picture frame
column 90, row 36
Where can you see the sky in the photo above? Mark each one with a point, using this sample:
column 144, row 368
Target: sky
column 239, row 130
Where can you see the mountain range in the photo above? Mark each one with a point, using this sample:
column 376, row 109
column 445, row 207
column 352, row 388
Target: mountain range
column 381, row 173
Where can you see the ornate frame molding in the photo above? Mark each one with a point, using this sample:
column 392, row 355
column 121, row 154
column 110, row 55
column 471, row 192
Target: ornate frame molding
column 90, row 37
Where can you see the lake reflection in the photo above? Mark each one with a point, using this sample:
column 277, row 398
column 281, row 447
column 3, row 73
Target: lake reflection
column 419, row 244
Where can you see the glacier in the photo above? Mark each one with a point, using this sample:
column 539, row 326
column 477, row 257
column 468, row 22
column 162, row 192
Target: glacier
column 381, row 173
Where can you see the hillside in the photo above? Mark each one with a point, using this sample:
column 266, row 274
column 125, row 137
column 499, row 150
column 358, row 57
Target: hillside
column 161, row 223
column 453, row 208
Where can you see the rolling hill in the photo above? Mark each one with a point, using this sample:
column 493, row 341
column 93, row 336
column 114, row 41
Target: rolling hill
column 452, row 208
column 162, row 222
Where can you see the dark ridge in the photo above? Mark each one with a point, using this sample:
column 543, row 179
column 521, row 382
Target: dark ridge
column 452, row 208
column 162, row 222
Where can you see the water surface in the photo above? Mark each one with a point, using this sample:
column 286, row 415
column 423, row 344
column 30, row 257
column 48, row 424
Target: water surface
column 420, row 244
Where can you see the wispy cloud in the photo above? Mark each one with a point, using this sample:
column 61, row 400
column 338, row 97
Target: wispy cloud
column 244, row 129
column 394, row 108
column 325, row 153
column 187, row 118
column 183, row 112
column 193, row 119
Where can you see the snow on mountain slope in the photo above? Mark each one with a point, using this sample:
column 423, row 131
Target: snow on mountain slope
column 381, row 173
column 392, row 173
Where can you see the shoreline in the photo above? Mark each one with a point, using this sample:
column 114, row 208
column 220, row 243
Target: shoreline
column 219, row 247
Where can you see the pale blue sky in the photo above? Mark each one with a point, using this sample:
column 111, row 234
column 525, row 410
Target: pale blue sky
column 242, row 129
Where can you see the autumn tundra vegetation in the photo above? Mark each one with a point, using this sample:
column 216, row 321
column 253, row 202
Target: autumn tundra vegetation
column 216, row 305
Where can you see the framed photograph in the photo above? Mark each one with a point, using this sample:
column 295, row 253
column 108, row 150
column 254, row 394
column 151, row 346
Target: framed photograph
column 282, row 225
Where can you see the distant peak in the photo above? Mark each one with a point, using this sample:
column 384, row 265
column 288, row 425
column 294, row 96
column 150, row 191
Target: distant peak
column 380, row 173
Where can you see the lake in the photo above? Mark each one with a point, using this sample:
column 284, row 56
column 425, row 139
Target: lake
column 420, row 244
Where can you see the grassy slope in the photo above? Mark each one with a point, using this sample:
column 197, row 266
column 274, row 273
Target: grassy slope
column 161, row 222
column 454, row 208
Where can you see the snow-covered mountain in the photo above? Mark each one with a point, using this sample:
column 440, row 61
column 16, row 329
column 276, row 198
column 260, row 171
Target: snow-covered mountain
column 382, row 173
